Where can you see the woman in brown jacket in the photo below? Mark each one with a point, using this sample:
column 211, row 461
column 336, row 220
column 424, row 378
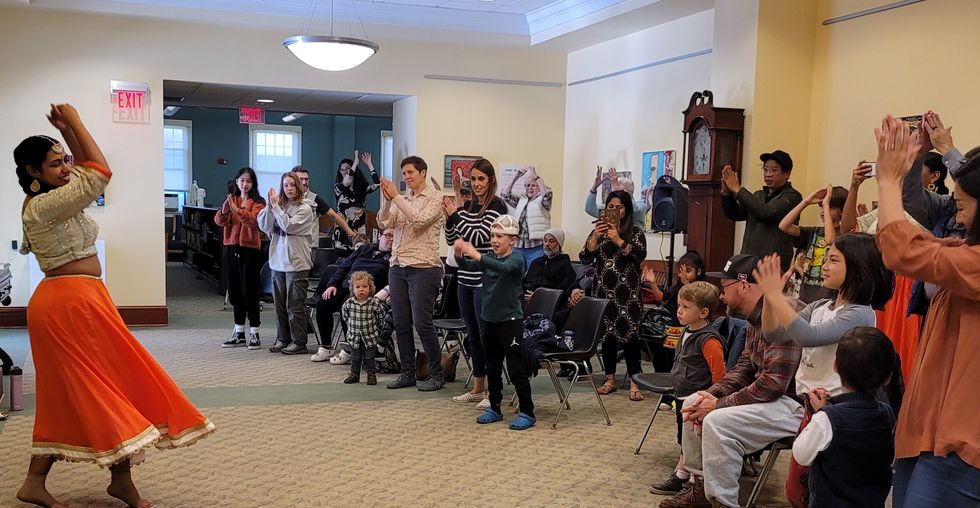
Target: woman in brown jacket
column 242, row 255
column 937, row 441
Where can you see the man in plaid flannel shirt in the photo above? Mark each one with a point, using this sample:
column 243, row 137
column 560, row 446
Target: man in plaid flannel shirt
column 752, row 406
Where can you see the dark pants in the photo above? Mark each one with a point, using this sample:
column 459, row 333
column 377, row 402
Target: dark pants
column 631, row 351
column 503, row 341
column 325, row 310
column 242, row 267
column 359, row 352
column 928, row 481
column 413, row 299
column 289, row 294
column 470, row 304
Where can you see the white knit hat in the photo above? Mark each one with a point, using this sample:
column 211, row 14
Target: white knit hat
column 506, row 225
column 558, row 234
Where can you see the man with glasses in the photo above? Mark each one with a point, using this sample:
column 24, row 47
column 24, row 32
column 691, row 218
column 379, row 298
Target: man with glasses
column 764, row 209
column 374, row 258
column 749, row 408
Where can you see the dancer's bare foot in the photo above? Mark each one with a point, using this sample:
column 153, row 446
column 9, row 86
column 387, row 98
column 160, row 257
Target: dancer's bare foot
column 125, row 491
column 34, row 492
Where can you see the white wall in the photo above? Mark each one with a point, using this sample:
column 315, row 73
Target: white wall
column 612, row 121
column 71, row 58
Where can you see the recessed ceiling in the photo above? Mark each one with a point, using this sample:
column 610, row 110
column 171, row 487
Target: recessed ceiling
column 567, row 24
column 288, row 100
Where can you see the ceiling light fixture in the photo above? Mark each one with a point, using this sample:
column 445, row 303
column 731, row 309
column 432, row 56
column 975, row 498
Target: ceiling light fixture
column 265, row 101
column 330, row 52
column 293, row 117
column 170, row 111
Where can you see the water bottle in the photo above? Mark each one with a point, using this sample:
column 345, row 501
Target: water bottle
column 16, row 389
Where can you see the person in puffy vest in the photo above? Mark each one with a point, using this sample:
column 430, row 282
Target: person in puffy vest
column 533, row 212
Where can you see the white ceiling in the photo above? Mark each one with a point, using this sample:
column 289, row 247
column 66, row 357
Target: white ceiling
column 290, row 100
column 557, row 24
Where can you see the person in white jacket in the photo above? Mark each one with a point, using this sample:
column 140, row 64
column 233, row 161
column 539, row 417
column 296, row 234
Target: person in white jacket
column 288, row 221
column 533, row 210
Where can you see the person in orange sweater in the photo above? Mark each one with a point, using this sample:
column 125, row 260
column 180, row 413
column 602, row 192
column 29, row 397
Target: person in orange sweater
column 242, row 255
column 698, row 363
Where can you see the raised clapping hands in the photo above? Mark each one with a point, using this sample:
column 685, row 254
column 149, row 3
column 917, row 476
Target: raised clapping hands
column 940, row 135
column 273, row 197
column 388, row 189
column 63, row 116
column 366, row 159
column 769, row 277
column 897, row 149
column 729, row 180
column 449, row 205
column 464, row 248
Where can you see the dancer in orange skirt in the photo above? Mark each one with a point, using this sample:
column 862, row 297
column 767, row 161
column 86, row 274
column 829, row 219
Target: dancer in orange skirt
column 101, row 397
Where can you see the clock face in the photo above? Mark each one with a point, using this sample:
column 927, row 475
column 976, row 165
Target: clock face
column 702, row 150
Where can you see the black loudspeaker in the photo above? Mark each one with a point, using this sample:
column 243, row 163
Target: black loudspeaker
column 669, row 207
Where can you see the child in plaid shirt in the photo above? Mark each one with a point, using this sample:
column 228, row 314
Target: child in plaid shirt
column 363, row 314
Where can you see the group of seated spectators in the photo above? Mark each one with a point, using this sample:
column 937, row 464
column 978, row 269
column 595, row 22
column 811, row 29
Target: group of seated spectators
column 822, row 338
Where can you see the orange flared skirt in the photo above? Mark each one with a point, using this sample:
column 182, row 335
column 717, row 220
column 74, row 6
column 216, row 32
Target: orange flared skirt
column 101, row 397
column 901, row 329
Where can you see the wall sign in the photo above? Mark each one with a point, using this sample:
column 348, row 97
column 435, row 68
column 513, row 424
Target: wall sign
column 130, row 101
column 251, row 114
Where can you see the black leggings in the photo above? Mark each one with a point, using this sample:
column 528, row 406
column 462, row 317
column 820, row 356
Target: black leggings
column 325, row 310
column 631, row 351
column 242, row 268
column 503, row 341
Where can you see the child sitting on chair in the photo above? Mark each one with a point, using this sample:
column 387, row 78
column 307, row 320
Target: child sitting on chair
column 698, row 363
column 502, row 311
column 363, row 314
column 849, row 442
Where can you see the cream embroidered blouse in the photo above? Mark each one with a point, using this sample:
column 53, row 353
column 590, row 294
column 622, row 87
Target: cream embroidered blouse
column 56, row 228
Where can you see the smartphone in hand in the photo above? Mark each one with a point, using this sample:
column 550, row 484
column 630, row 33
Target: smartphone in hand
column 874, row 169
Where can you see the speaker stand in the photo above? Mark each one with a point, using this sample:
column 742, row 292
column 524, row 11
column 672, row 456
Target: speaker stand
column 670, row 262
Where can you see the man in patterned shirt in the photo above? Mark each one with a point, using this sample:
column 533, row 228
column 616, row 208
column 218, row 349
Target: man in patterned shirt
column 752, row 406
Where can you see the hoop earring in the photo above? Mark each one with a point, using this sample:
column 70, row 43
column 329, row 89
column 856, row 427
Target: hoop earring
column 35, row 185
column 931, row 187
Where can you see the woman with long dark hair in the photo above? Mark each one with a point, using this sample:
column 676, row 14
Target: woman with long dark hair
column 238, row 218
column 616, row 248
column 471, row 222
column 351, row 188
column 101, row 397
column 937, row 446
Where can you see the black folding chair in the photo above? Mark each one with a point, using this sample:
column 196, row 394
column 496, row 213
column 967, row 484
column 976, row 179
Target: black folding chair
column 543, row 301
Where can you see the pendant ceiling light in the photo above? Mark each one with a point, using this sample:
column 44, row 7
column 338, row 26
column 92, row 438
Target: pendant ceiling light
column 330, row 52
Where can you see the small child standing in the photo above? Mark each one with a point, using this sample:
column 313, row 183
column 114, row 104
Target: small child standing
column 698, row 363
column 363, row 314
column 502, row 311
column 849, row 442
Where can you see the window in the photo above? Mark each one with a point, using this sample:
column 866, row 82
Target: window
column 177, row 155
column 274, row 150
column 387, row 153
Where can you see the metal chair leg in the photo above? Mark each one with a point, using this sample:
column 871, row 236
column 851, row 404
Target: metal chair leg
column 763, row 475
column 595, row 390
column 656, row 408
column 554, row 381
column 311, row 317
column 564, row 397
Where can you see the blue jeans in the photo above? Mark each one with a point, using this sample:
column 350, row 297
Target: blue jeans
column 470, row 303
column 413, row 297
column 530, row 254
column 928, row 481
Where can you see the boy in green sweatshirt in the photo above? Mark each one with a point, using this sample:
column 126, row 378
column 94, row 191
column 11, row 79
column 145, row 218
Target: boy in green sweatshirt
column 502, row 312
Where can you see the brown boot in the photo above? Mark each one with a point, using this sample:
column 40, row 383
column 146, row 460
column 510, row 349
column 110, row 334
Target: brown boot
column 372, row 378
column 352, row 377
column 692, row 497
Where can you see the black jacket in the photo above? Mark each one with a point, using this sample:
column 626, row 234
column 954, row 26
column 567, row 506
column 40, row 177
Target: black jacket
column 366, row 258
column 552, row 273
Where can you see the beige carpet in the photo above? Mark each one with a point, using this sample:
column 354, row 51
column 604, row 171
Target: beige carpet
column 370, row 446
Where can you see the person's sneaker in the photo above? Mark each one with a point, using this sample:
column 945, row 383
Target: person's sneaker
column 669, row 487
column 469, row 397
column 666, row 407
column 322, row 354
column 691, row 497
column 352, row 377
column 483, row 404
column 432, row 384
column 372, row 378
column 341, row 358
column 401, row 381
column 236, row 340
column 277, row 347
column 295, row 349
column 254, row 342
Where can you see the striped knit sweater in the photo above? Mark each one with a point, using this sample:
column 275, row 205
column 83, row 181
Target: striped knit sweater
column 467, row 223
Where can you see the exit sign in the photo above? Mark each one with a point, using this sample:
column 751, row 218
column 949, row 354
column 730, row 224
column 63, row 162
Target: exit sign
column 249, row 114
column 130, row 101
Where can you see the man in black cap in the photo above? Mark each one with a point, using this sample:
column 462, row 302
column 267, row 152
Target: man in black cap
column 749, row 408
column 764, row 209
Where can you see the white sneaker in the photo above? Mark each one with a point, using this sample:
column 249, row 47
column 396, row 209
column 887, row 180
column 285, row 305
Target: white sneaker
column 341, row 358
column 469, row 397
column 666, row 407
column 483, row 404
column 323, row 354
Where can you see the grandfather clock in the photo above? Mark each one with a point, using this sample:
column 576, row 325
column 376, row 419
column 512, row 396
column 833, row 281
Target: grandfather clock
column 712, row 139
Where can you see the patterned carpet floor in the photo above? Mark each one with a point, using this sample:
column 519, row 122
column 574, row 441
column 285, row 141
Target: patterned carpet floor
column 290, row 434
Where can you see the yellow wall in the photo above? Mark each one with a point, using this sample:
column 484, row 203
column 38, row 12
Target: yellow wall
column 903, row 61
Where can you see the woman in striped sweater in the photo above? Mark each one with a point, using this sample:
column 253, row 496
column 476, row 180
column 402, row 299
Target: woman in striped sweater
column 471, row 222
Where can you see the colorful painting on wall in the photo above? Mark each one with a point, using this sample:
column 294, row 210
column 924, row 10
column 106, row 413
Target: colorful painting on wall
column 459, row 164
column 655, row 165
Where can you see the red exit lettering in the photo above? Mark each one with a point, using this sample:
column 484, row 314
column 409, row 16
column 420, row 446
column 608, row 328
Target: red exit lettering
column 250, row 115
column 127, row 99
